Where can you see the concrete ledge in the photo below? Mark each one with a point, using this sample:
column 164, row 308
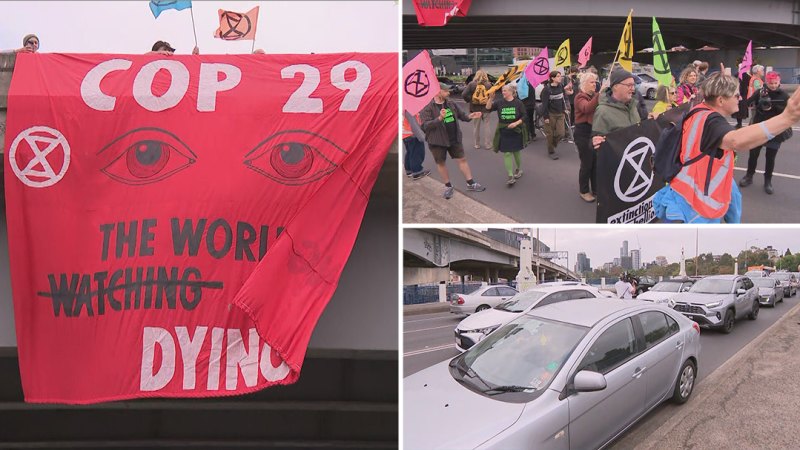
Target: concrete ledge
column 423, row 203
column 426, row 308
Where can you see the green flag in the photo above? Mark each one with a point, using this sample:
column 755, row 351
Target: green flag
column 660, row 62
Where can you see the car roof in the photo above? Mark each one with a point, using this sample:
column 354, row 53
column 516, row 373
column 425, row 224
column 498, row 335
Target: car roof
column 559, row 286
column 587, row 311
column 724, row 277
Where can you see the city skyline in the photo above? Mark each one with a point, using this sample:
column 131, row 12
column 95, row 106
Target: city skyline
column 604, row 245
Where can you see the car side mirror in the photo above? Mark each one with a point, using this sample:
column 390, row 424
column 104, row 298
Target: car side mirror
column 588, row 381
column 741, row 291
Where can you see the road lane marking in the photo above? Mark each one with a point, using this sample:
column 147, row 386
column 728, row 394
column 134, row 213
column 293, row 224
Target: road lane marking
column 428, row 350
column 427, row 329
column 422, row 320
column 783, row 175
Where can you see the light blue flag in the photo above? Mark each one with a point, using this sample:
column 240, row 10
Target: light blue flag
column 157, row 6
column 522, row 87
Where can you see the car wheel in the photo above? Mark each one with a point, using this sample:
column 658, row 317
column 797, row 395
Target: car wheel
column 481, row 308
column 651, row 94
column 754, row 311
column 727, row 324
column 684, row 385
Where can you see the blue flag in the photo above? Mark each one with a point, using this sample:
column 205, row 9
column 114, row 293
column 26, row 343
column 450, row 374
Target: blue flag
column 157, row 6
column 522, row 87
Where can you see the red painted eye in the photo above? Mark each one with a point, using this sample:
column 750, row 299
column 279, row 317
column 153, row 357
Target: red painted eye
column 147, row 158
column 295, row 157
column 145, row 155
column 292, row 159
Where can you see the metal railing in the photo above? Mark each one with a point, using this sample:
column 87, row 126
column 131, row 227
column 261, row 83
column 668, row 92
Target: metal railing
column 416, row 294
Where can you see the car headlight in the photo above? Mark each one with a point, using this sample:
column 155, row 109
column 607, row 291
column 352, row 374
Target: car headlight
column 671, row 303
column 714, row 305
column 483, row 331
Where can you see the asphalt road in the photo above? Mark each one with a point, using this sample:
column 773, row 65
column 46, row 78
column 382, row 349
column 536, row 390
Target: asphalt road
column 548, row 190
column 428, row 339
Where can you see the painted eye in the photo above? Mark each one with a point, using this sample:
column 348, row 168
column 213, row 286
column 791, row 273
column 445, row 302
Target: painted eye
column 147, row 155
column 295, row 157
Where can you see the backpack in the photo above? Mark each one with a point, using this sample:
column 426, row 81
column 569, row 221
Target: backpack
column 480, row 97
column 667, row 162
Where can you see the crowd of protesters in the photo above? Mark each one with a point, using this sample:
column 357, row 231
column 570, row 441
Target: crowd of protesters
column 701, row 192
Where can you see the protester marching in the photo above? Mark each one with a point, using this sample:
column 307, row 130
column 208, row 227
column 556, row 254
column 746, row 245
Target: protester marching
column 623, row 139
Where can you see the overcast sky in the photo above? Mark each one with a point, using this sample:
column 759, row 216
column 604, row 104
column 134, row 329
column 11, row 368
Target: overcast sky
column 129, row 26
column 602, row 245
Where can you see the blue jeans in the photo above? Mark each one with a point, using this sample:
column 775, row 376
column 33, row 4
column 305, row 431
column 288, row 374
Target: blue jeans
column 415, row 154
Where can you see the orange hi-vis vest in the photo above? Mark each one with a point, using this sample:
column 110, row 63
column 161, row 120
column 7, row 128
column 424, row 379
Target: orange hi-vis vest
column 406, row 129
column 407, row 126
column 706, row 187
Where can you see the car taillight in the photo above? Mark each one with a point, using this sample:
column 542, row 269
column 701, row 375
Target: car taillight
column 696, row 327
column 460, row 300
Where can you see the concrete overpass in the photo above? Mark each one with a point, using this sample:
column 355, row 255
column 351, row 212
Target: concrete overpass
column 693, row 24
column 430, row 254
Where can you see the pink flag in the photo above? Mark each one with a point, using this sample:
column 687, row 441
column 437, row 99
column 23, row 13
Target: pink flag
column 539, row 69
column 747, row 60
column 585, row 53
column 420, row 84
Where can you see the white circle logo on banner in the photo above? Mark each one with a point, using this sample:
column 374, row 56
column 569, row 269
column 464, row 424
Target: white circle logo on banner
column 635, row 156
column 38, row 172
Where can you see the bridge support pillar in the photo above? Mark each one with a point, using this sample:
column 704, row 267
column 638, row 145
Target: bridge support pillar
column 442, row 291
column 603, row 282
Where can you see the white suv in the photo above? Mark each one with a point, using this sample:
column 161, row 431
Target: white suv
column 479, row 325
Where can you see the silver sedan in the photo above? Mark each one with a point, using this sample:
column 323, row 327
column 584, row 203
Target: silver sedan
column 571, row 375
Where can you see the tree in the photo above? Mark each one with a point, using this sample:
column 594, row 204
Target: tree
column 788, row 253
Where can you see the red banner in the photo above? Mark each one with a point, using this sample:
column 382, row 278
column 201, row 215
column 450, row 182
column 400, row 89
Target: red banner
column 177, row 225
column 436, row 13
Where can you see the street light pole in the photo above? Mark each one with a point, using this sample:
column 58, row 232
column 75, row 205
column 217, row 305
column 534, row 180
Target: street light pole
column 746, row 250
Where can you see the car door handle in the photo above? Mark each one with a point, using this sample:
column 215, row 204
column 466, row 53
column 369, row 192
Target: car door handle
column 638, row 372
column 679, row 345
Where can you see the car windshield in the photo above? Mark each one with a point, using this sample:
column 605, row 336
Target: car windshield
column 525, row 353
column 764, row 282
column 754, row 273
column 667, row 286
column 521, row 301
column 782, row 276
column 712, row 286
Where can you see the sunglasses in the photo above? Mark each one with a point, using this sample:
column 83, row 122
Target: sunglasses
column 32, row 42
column 671, row 92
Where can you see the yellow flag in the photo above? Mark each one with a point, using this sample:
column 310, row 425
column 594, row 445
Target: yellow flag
column 625, row 48
column 563, row 55
column 510, row 75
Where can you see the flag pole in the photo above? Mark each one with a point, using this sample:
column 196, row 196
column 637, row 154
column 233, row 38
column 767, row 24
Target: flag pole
column 611, row 69
column 194, row 28
column 253, row 48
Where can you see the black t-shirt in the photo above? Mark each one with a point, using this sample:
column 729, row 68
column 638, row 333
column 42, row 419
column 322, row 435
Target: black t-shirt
column 716, row 127
column 508, row 111
column 450, row 123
